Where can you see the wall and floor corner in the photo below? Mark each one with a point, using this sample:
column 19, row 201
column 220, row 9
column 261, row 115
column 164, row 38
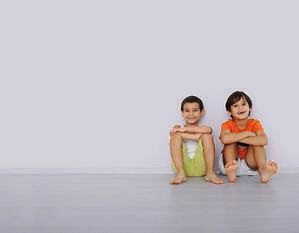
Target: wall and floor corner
column 95, row 87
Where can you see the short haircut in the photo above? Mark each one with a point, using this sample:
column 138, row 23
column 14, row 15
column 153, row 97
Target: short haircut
column 192, row 99
column 235, row 97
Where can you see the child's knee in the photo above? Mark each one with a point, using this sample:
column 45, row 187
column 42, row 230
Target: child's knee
column 175, row 138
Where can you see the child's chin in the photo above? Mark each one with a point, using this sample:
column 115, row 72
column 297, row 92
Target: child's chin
column 241, row 117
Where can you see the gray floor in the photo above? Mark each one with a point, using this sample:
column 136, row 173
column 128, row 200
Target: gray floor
column 146, row 203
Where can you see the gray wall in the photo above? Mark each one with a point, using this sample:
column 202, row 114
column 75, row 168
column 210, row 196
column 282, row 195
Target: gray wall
column 97, row 85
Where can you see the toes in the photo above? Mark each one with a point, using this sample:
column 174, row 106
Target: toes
column 178, row 180
column 218, row 181
column 276, row 165
column 229, row 164
column 214, row 180
column 234, row 162
column 174, row 181
column 271, row 162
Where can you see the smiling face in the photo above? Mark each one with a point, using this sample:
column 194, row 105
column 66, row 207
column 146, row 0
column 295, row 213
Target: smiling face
column 191, row 113
column 240, row 110
column 238, row 105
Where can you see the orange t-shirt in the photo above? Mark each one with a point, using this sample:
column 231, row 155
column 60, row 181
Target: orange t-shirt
column 253, row 125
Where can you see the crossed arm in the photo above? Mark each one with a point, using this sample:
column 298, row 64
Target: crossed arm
column 255, row 139
column 193, row 133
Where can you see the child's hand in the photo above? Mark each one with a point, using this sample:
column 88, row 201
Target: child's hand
column 174, row 129
column 251, row 134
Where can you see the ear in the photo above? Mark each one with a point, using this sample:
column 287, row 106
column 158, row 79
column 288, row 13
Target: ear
column 202, row 113
column 229, row 113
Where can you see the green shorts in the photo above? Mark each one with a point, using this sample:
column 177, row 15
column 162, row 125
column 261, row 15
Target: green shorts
column 193, row 166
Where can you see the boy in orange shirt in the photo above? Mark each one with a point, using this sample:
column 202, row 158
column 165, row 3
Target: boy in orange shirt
column 244, row 142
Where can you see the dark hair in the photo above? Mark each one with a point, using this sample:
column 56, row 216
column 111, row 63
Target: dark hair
column 235, row 97
column 192, row 99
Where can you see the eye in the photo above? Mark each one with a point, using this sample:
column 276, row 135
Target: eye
column 235, row 105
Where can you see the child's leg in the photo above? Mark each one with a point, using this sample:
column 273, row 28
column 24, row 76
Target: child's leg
column 209, row 155
column 230, row 156
column 175, row 144
column 256, row 159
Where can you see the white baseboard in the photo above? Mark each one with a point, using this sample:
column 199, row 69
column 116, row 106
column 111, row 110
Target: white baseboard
column 98, row 170
column 108, row 170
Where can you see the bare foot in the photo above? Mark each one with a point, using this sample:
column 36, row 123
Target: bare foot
column 231, row 171
column 213, row 178
column 180, row 178
column 267, row 172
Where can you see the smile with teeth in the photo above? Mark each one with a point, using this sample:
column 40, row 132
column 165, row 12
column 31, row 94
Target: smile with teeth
column 240, row 113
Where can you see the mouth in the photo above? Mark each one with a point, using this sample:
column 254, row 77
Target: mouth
column 241, row 113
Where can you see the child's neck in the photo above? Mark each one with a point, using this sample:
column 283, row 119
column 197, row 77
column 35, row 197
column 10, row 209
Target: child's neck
column 191, row 125
column 241, row 123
